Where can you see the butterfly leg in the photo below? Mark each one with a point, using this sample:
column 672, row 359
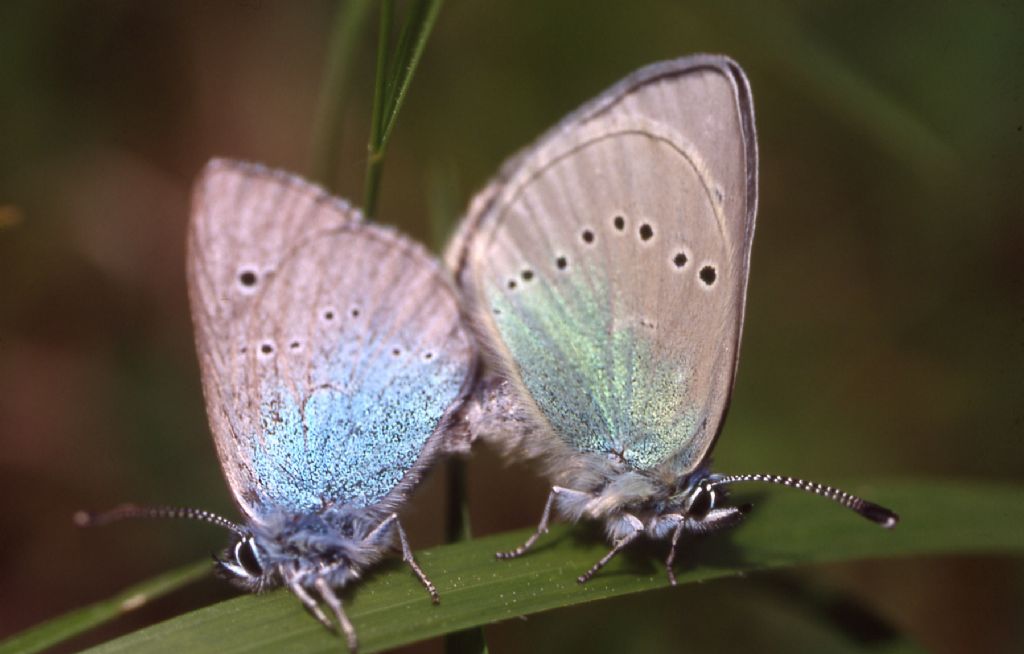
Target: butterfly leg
column 545, row 518
column 670, row 561
column 417, row 570
column 311, row 605
column 621, row 544
column 332, row 600
column 382, row 531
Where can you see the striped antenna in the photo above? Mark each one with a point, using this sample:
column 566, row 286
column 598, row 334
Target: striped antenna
column 870, row 510
column 131, row 511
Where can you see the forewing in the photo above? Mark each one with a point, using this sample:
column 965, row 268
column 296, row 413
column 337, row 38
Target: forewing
column 329, row 376
column 606, row 268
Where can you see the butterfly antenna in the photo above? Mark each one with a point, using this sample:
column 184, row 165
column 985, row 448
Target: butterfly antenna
column 870, row 510
column 131, row 511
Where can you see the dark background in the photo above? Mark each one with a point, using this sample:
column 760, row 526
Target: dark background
column 885, row 325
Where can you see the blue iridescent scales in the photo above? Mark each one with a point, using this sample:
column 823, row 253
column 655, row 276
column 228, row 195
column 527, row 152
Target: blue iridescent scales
column 604, row 271
column 331, row 349
column 333, row 359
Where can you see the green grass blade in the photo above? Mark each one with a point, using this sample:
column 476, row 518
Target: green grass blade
column 375, row 152
column 786, row 529
column 81, row 620
column 393, row 77
column 418, row 27
column 349, row 25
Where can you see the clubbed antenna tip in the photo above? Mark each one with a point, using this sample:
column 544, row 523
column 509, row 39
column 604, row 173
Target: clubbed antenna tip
column 879, row 514
column 873, row 512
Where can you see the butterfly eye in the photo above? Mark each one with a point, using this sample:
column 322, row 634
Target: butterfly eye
column 702, row 502
column 245, row 554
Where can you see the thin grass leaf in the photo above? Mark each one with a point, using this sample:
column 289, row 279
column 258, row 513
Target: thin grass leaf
column 349, row 26
column 375, row 153
column 82, row 620
column 417, row 30
column 785, row 530
column 393, row 77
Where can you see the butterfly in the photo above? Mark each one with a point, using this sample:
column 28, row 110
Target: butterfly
column 604, row 272
column 333, row 360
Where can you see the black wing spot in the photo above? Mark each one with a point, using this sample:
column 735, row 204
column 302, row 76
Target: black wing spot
column 295, row 345
column 679, row 260
column 646, row 232
column 247, row 278
column 527, row 275
column 619, row 222
column 396, row 352
column 355, row 312
column 329, row 314
column 267, row 348
column 561, row 263
column 708, row 275
column 587, row 236
column 428, row 356
column 512, row 284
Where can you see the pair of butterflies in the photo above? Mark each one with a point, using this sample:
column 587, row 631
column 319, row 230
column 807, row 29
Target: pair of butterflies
column 602, row 276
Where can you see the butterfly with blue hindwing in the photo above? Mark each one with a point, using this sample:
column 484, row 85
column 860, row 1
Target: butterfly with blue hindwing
column 333, row 359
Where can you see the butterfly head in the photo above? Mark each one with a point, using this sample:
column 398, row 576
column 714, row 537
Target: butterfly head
column 333, row 545
column 701, row 505
column 698, row 500
column 244, row 563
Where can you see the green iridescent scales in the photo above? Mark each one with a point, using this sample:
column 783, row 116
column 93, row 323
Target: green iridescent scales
column 583, row 373
column 591, row 278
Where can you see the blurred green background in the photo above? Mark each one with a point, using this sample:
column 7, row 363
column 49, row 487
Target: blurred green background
column 885, row 325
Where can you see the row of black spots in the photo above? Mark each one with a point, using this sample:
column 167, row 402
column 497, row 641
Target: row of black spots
column 527, row 275
column 330, row 313
column 397, row 352
column 708, row 274
column 267, row 347
column 645, row 231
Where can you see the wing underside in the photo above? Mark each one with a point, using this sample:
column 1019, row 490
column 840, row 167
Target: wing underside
column 607, row 267
column 331, row 350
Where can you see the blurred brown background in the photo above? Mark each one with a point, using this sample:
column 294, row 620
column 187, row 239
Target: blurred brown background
column 885, row 327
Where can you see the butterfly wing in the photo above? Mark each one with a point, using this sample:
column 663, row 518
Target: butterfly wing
column 606, row 268
column 331, row 350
